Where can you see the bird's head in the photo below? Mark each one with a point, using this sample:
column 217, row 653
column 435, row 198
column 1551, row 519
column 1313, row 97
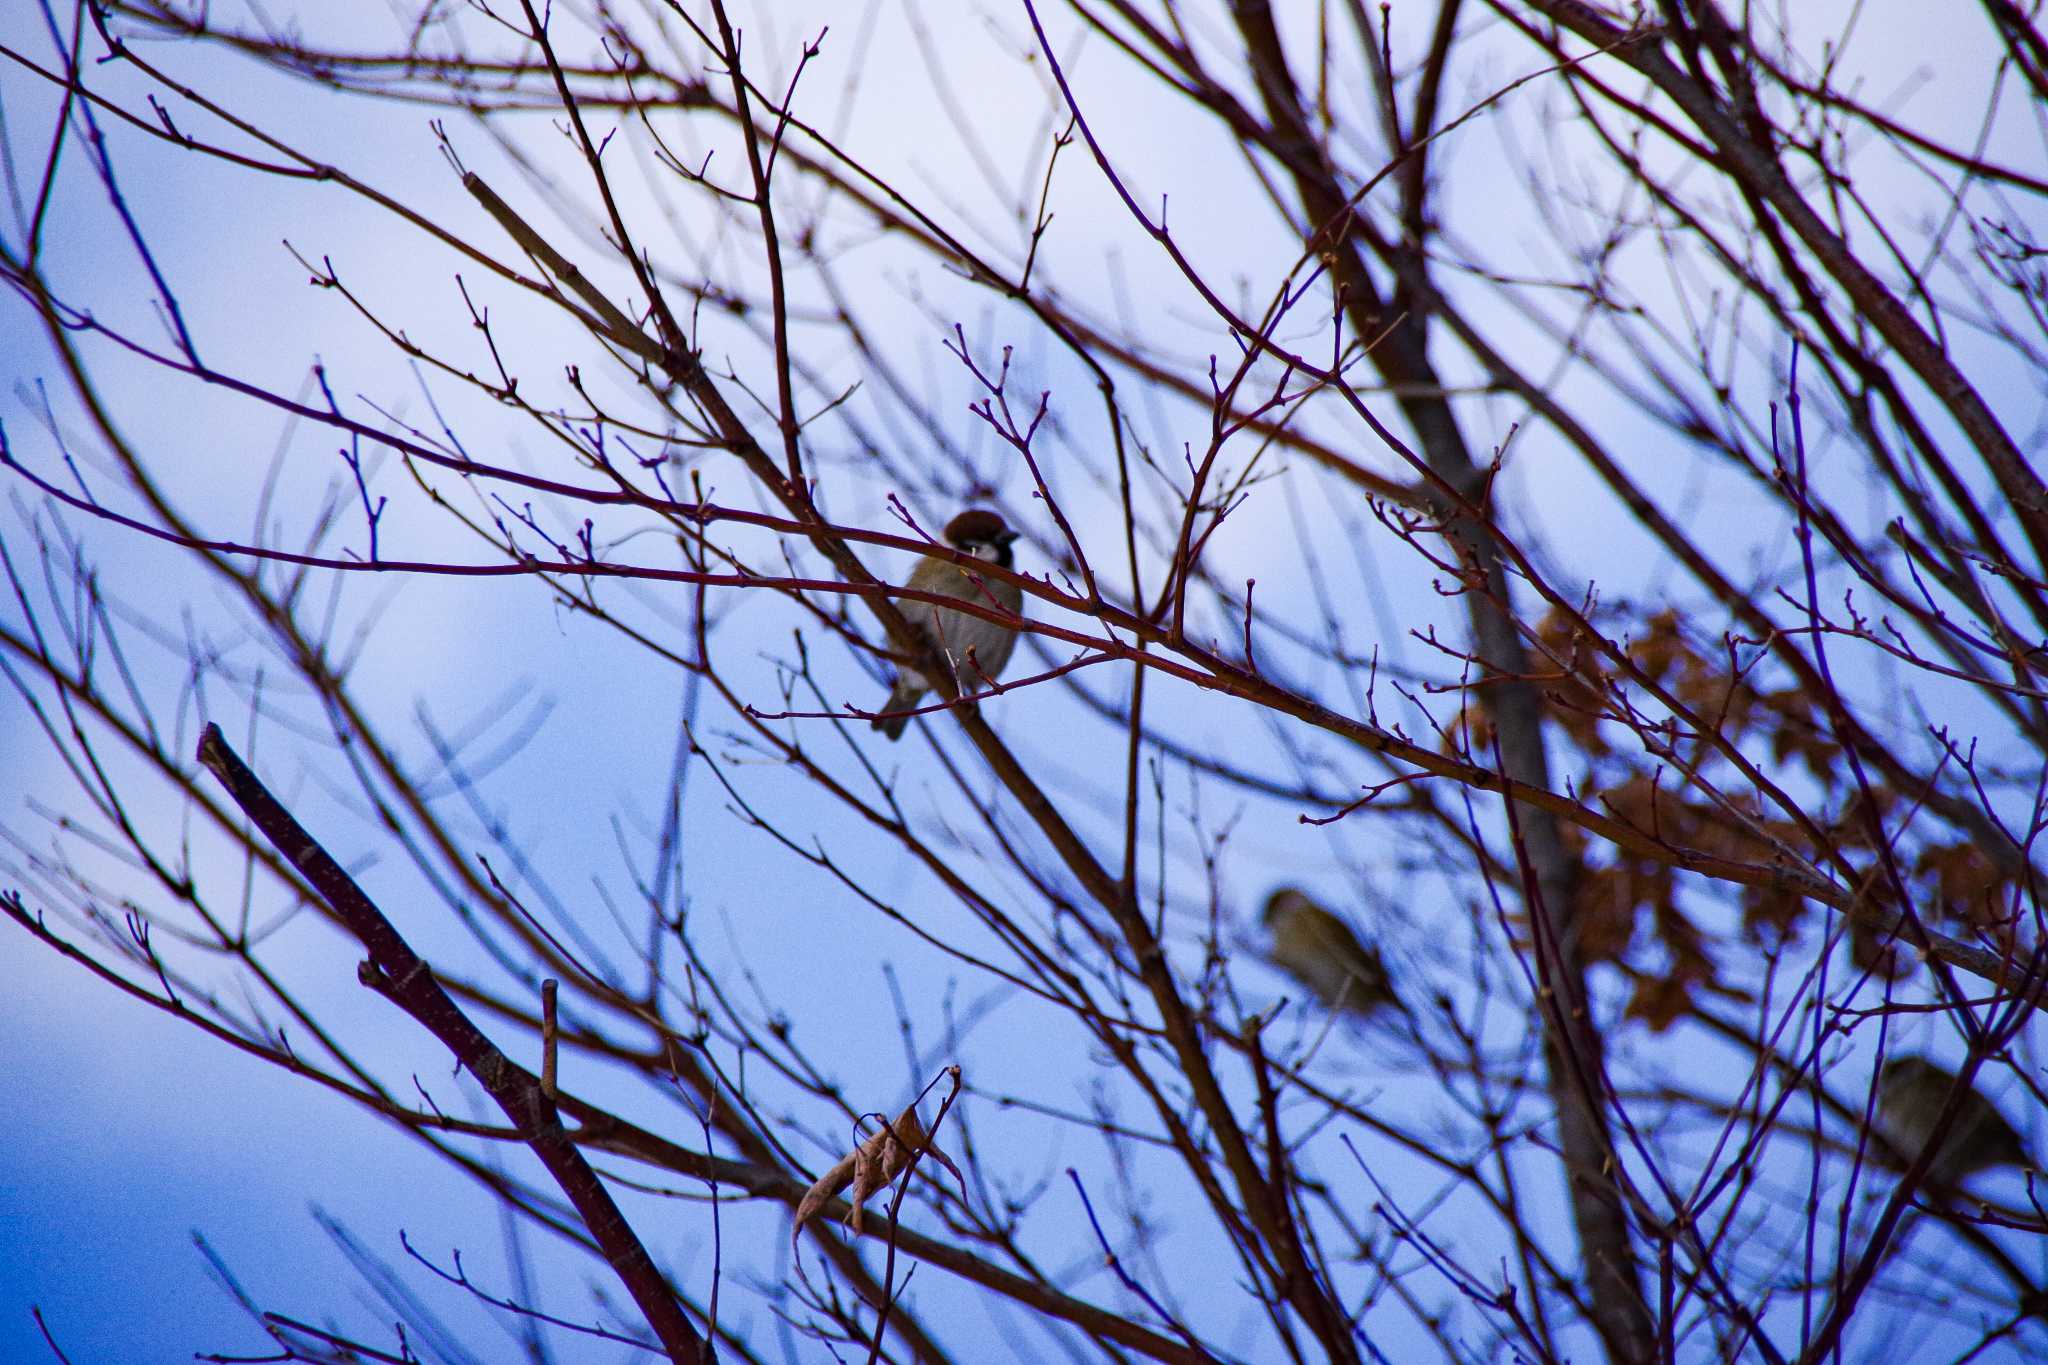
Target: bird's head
column 1910, row 1073
column 1284, row 902
column 981, row 533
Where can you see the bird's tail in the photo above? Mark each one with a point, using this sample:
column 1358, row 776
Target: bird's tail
column 892, row 718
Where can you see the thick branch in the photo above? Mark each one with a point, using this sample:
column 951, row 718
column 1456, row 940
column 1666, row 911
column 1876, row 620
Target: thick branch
column 399, row 974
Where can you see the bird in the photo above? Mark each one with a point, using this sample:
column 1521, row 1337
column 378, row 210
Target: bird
column 1911, row 1093
column 1319, row 950
column 976, row 648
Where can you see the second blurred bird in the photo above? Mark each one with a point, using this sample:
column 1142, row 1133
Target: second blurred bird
column 1319, row 950
column 1911, row 1093
column 976, row 648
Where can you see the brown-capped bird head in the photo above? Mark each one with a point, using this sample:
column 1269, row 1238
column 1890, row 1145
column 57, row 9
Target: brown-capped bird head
column 981, row 533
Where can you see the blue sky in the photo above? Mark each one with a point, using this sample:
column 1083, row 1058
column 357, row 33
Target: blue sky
column 142, row 1134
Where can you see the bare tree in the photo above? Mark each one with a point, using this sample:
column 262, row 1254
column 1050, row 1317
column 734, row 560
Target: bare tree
column 1558, row 485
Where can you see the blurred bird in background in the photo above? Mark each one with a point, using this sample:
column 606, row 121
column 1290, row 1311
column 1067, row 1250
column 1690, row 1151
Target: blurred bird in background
column 1319, row 950
column 977, row 649
column 1911, row 1093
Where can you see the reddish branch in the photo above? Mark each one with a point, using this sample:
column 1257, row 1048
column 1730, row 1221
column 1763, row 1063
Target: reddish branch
column 397, row 973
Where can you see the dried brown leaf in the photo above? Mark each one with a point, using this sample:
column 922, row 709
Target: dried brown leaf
column 883, row 1156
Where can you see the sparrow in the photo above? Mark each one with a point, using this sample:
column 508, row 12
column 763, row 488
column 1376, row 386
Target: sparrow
column 1319, row 950
column 1911, row 1092
column 976, row 648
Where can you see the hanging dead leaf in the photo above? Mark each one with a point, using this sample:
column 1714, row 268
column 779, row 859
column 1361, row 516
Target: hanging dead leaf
column 872, row 1166
column 1878, row 951
column 1771, row 914
column 1660, row 1001
column 1967, row 884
